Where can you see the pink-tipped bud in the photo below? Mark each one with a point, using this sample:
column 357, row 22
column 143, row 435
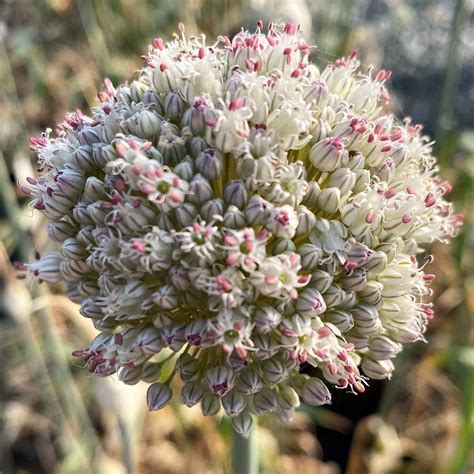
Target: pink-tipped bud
column 430, row 200
column 236, row 104
column 370, row 217
column 158, row 44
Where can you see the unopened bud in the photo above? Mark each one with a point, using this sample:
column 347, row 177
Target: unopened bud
column 366, row 318
column 151, row 372
column 81, row 215
column 243, row 424
column 149, row 341
column 235, row 193
column 334, row 296
column 186, row 214
column 377, row 264
column 377, row 369
column 306, row 220
column 174, row 106
column 147, row 124
column 212, row 208
column 70, row 182
column 210, row 405
column 94, row 190
column 191, row 393
column 310, row 255
column 73, row 270
column 265, row 400
column 274, row 371
column 311, row 197
column 73, row 249
column 158, row 395
column 197, row 145
column 137, row 90
column 258, row 210
column 355, row 280
column 130, row 376
column 233, row 403
column 234, row 218
column 200, row 190
column 362, row 181
column 249, row 382
column 61, row 230
column 265, row 345
column 84, row 158
column 185, row 169
column 356, row 161
column 284, row 415
column 91, row 310
column 371, row 293
column 166, row 297
column 104, row 154
column 359, row 340
column 89, row 135
column 382, row 348
column 329, row 200
column 287, row 398
column 310, row 302
column 327, row 154
column 187, row 366
column 88, row 287
column 282, row 246
column 321, row 281
column 209, row 164
column 73, row 293
column 315, row 393
column 87, row 237
column 343, row 179
column 343, row 320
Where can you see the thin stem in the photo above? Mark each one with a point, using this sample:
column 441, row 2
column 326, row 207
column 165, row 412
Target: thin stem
column 173, row 372
column 244, row 453
column 453, row 68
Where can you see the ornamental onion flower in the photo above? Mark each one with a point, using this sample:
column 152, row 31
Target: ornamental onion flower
column 245, row 214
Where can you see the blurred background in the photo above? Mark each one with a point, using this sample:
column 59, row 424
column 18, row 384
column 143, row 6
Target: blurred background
column 55, row 417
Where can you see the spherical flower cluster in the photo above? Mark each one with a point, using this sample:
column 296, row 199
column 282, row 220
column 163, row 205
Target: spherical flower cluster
column 242, row 213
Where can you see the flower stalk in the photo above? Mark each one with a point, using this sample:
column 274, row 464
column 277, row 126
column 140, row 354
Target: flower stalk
column 245, row 452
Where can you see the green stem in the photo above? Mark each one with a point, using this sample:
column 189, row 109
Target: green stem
column 453, row 68
column 244, row 453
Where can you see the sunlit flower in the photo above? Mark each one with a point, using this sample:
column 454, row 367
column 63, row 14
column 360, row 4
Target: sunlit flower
column 240, row 214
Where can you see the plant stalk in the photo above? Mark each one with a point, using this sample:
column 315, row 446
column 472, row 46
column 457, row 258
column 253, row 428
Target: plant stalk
column 244, row 453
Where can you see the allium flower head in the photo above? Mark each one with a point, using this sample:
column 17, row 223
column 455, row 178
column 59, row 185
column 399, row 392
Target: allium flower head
column 247, row 215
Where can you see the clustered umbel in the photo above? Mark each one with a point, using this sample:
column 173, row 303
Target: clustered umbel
column 243, row 213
